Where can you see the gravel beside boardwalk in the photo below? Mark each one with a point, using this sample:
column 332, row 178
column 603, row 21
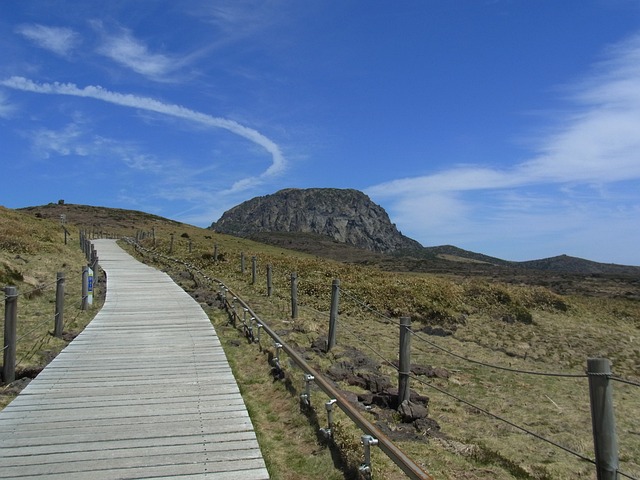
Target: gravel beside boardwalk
column 145, row 391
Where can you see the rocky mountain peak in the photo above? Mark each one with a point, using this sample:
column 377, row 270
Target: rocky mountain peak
column 346, row 215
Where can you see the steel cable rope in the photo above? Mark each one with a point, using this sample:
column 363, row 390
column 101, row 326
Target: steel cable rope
column 37, row 325
column 376, row 352
column 502, row 419
column 391, row 339
column 318, row 312
column 551, row 374
column 373, row 310
column 497, row 417
column 486, row 412
column 35, row 289
column 623, row 380
column 32, row 352
column 498, row 367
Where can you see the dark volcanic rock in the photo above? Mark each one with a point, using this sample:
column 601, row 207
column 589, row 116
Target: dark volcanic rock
column 346, row 215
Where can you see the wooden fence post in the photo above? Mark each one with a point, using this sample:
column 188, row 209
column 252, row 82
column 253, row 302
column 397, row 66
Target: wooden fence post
column 215, row 252
column 10, row 329
column 171, row 245
column 404, row 357
column 59, row 313
column 294, row 295
column 242, row 262
column 85, row 288
column 333, row 314
column 254, row 270
column 602, row 418
column 190, row 246
column 269, row 281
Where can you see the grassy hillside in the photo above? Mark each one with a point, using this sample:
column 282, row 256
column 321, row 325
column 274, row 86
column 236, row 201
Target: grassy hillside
column 32, row 251
column 509, row 320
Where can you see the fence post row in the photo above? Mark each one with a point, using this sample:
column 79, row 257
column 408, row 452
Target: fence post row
column 602, row 418
column 404, row 363
column 333, row 314
column 10, row 333
column 59, row 313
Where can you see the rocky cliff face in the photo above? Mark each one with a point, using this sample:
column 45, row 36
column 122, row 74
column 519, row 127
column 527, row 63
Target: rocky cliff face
column 348, row 216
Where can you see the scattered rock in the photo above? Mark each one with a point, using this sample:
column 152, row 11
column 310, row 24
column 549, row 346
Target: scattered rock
column 410, row 412
column 319, row 345
column 436, row 331
column 14, row 388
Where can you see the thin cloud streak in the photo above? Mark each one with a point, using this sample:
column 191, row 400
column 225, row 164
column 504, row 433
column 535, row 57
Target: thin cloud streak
column 55, row 39
column 278, row 163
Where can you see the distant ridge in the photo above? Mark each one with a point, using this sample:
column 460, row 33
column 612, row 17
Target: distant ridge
column 568, row 264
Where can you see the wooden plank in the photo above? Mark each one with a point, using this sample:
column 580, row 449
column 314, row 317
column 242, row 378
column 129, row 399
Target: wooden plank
column 145, row 391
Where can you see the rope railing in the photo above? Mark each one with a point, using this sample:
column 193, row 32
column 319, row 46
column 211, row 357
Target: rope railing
column 369, row 307
column 625, row 381
column 497, row 367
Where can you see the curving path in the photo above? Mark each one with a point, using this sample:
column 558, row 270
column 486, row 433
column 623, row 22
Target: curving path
column 145, row 391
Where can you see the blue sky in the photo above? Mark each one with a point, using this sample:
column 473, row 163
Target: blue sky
column 506, row 127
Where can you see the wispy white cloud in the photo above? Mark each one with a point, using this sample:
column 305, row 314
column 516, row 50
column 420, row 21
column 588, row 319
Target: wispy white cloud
column 69, row 140
column 59, row 40
column 6, row 109
column 74, row 140
column 126, row 50
column 242, row 18
column 278, row 161
column 597, row 143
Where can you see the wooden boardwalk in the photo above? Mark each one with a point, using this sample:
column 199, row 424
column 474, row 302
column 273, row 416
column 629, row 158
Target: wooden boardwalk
column 145, row 391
